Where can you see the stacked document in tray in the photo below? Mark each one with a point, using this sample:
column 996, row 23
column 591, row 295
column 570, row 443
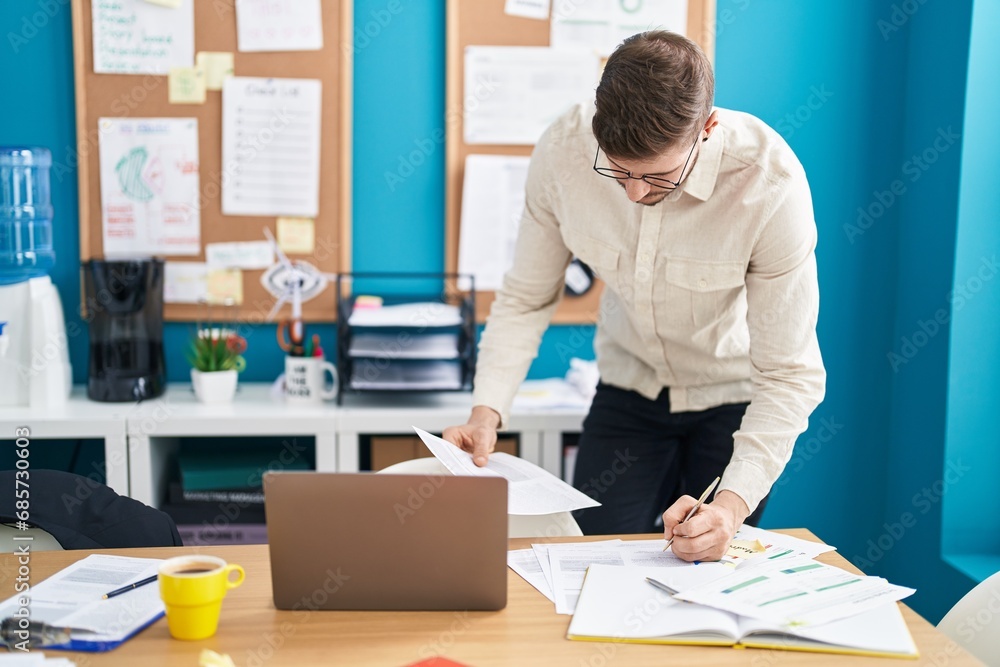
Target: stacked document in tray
column 531, row 490
column 767, row 592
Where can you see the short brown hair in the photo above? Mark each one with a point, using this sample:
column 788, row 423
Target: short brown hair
column 656, row 93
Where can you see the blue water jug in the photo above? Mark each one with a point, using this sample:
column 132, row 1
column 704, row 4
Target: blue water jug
column 25, row 214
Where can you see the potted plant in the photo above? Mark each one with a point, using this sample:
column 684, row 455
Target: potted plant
column 216, row 357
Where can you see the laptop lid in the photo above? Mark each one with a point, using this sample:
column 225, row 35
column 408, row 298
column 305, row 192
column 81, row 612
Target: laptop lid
column 392, row 542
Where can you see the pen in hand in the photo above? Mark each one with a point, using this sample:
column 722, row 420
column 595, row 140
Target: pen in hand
column 126, row 589
column 694, row 509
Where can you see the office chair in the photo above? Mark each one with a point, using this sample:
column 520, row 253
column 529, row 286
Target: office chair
column 559, row 524
column 80, row 513
column 963, row 622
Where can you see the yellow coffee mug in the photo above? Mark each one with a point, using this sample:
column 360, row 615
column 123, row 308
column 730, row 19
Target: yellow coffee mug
column 192, row 588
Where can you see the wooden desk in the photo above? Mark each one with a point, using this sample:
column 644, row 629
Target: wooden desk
column 528, row 632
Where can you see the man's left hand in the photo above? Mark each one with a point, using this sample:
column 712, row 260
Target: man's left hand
column 706, row 535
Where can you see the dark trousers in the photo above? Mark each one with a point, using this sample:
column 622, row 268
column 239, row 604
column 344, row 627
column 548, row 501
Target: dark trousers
column 636, row 458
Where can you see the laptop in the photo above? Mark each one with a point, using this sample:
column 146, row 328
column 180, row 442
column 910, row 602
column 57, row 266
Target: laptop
column 357, row 541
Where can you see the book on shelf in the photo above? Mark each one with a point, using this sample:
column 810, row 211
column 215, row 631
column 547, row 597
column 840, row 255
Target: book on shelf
column 220, row 471
column 245, row 497
column 618, row 604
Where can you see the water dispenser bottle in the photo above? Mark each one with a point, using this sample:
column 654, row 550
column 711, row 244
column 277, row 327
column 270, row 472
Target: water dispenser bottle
column 124, row 304
column 25, row 214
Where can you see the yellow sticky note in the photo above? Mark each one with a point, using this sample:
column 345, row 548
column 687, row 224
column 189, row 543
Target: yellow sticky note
column 745, row 548
column 173, row 4
column 186, row 85
column 297, row 235
column 225, row 286
column 217, row 66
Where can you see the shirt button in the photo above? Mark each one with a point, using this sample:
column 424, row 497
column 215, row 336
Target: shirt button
column 702, row 283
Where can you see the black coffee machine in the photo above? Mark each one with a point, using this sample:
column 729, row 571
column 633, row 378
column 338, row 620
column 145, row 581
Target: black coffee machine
column 124, row 306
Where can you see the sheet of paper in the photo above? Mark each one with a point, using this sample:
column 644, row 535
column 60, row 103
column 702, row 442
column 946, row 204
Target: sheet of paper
column 149, row 186
column 529, row 9
column 270, row 146
column 239, row 255
column 186, row 85
column 136, row 37
column 185, row 282
column 785, row 544
column 404, row 346
column 492, row 206
column 73, row 597
column 569, row 568
column 173, row 4
column 795, row 592
column 531, row 489
column 224, row 286
column 525, row 563
column 600, row 26
column 217, row 66
column 417, row 314
column 512, row 93
column 297, row 236
column 541, row 552
column 550, row 394
column 432, row 374
column 279, row 25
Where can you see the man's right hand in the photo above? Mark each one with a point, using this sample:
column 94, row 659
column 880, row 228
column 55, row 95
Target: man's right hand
column 478, row 436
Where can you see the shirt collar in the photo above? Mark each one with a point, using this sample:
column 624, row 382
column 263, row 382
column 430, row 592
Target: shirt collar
column 701, row 181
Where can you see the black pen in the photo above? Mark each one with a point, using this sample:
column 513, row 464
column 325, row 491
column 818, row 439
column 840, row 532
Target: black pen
column 126, row 589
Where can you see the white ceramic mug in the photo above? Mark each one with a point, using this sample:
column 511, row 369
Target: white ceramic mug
column 305, row 381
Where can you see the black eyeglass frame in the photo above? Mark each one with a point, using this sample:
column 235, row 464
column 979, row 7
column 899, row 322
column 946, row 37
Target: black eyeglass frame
column 664, row 183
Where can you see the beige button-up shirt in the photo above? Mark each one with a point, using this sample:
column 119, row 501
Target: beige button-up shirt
column 711, row 293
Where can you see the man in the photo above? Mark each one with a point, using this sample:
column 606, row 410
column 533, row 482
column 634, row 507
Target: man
column 706, row 338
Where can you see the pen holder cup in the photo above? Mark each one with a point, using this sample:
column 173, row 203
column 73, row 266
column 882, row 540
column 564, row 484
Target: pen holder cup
column 305, row 383
column 192, row 588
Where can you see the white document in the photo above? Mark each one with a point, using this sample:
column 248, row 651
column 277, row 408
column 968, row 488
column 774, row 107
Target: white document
column 185, row 282
column 402, row 345
column 529, row 9
column 551, row 394
column 279, row 25
column 618, row 603
column 541, row 552
column 512, row 93
column 600, row 26
column 73, row 598
column 424, row 374
column 149, row 186
column 270, row 146
column 526, row 564
column 135, row 37
column 531, row 489
column 422, row 314
column 492, row 207
column 569, row 568
column 797, row 592
column 780, row 545
column 239, row 255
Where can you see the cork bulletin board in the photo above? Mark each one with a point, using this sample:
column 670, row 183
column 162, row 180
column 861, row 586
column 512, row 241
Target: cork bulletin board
column 146, row 96
column 484, row 23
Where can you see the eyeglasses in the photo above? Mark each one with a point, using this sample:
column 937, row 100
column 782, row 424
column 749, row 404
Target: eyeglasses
column 664, row 183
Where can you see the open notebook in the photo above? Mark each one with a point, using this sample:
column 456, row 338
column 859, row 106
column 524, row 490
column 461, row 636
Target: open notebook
column 617, row 604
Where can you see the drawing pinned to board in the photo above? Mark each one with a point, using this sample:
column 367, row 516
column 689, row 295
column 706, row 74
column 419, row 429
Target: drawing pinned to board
column 279, row 25
column 149, row 186
column 134, row 37
column 270, row 146
column 601, row 25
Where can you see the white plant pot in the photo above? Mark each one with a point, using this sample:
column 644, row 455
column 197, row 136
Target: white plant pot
column 214, row 387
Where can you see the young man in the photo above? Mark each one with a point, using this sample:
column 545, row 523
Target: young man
column 700, row 223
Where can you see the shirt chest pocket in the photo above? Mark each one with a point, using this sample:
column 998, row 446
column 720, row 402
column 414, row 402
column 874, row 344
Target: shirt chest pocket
column 699, row 292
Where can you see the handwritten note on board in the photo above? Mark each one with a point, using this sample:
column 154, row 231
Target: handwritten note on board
column 135, row 37
column 149, row 186
column 270, row 146
column 279, row 25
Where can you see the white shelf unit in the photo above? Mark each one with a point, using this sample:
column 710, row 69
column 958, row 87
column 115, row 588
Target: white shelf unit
column 79, row 418
column 155, row 429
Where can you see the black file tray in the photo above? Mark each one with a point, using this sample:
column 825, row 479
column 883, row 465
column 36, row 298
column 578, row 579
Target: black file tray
column 429, row 345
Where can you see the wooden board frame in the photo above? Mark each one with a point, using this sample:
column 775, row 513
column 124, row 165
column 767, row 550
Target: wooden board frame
column 484, row 23
column 118, row 95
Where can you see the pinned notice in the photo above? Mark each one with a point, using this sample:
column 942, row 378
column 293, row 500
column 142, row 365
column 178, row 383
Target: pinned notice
column 297, row 236
column 270, row 146
column 186, row 85
column 279, row 25
column 225, row 286
column 141, row 37
column 217, row 65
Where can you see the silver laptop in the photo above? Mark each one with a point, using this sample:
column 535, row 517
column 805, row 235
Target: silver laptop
column 395, row 542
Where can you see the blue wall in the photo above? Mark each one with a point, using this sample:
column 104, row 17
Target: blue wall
column 856, row 88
